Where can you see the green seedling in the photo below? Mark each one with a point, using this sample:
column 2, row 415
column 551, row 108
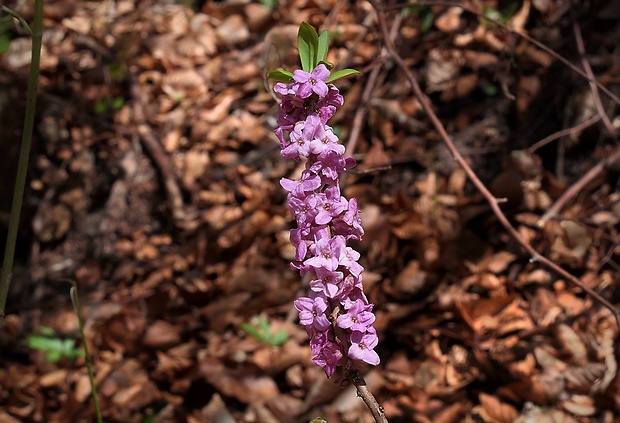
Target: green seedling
column 501, row 15
column 425, row 16
column 55, row 347
column 260, row 330
column 269, row 4
column 108, row 104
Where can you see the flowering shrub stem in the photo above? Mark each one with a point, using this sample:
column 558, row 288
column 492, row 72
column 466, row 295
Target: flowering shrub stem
column 336, row 313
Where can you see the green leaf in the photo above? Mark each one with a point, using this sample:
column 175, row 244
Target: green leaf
column 308, row 46
column 328, row 65
column 342, row 73
column 263, row 324
column 46, row 331
column 117, row 103
column 53, row 356
column 270, row 4
column 427, row 22
column 323, row 44
column 54, row 347
column 280, row 75
column 251, row 330
column 279, row 338
column 5, row 44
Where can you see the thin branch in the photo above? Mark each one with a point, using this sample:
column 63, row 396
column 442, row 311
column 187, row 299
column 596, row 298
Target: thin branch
column 183, row 219
column 511, row 31
column 493, row 203
column 362, row 390
column 360, row 114
column 588, row 69
column 577, row 187
column 562, row 133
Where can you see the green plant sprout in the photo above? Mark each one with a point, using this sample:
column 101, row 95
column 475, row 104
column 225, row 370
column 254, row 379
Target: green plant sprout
column 501, row 16
column 424, row 14
column 312, row 49
column 269, row 4
column 55, row 347
column 260, row 330
column 107, row 104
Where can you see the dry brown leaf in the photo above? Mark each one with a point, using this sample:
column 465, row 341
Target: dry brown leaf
column 450, row 20
column 242, row 383
column 580, row 405
column 585, row 376
column 519, row 19
column 572, row 343
column 442, row 69
column 534, row 413
column 492, row 410
column 607, row 350
column 410, row 280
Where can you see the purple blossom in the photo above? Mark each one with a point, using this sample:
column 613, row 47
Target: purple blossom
column 308, row 182
column 328, row 357
column 359, row 316
column 348, row 258
column 329, row 205
column 328, row 252
column 312, row 312
column 325, row 222
column 362, row 346
column 327, row 282
column 313, row 82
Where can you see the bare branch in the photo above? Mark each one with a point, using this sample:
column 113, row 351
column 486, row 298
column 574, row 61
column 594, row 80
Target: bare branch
column 493, row 203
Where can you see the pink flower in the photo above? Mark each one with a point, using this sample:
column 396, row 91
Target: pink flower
column 362, row 346
column 325, row 222
column 313, row 82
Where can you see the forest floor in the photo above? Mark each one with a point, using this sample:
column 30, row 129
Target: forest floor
column 154, row 185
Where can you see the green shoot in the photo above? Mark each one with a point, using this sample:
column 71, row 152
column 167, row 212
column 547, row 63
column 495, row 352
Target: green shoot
column 55, row 347
column 260, row 329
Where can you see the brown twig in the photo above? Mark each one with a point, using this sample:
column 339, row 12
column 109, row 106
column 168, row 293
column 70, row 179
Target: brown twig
column 354, row 375
column 517, row 34
column 357, row 379
column 360, row 113
column 574, row 189
column 562, row 133
column 153, row 147
column 428, row 109
column 588, row 69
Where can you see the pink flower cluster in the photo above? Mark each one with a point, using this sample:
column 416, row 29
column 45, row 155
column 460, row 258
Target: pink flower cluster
column 336, row 313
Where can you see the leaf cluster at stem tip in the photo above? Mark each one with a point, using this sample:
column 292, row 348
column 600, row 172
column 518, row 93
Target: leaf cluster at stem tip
column 312, row 49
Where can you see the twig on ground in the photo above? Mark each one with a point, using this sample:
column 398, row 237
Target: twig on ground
column 517, row 34
column 562, row 133
column 576, row 188
column 360, row 113
column 181, row 217
column 588, row 70
column 493, row 203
